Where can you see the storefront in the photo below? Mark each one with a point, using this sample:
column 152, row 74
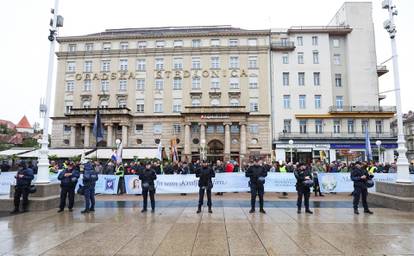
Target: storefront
column 304, row 153
column 356, row 152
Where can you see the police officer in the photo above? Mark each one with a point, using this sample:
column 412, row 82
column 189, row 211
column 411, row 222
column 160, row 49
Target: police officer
column 120, row 171
column 24, row 179
column 257, row 174
column 303, row 183
column 68, row 179
column 360, row 177
column 147, row 178
column 90, row 176
column 205, row 173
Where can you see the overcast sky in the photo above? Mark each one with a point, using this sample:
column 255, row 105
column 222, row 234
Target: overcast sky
column 24, row 46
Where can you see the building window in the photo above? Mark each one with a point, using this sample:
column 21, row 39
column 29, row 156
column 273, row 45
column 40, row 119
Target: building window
column 195, row 102
column 158, row 106
column 337, row 59
column 318, row 126
column 365, row 124
column 253, row 83
column 195, row 63
column 142, row 44
column 141, row 64
column 219, row 129
column 104, row 85
column 176, row 128
column 160, row 43
column 159, row 84
column 252, row 62
column 339, row 102
column 178, row 63
column 210, row 129
column 196, row 43
column 299, row 40
column 252, row 42
column 88, row 66
column 301, row 78
column 284, row 41
column 314, row 40
column 337, row 126
column 300, row 58
column 286, row 101
column 215, row 42
column 378, row 126
column 315, row 57
column 285, row 78
column 178, row 43
column 89, row 47
column 122, row 85
column 287, row 126
column 70, row 66
column 104, row 104
column 105, row 65
column 159, row 63
column 215, row 102
column 123, row 64
column 215, row 83
column 123, row 46
column 177, row 83
column 302, row 101
column 66, row 129
column 177, row 105
column 234, row 62
column 254, row 128
column 318, row 101
column 302, row 126
column 72, row 48
column 215, row 62
column 106, row 46
column 234, row 129
column 140, row 84
column 351, row 126
column 234, row 102
column 87, row 85
column 338, row 80
column 140, row 106
column 122, row 103
column 316, row 78
column 157, row 128
column 335, row 43
column 196, row 83
column 285, row 58
column 68, row 106
column 139, row 128
column 233, row 42
column 254, row 105
column 70, row 86
column 234, row 83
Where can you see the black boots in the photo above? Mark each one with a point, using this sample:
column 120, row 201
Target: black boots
column 309, row 211
column 209, row 210
column 199, row 209
column 262, row 211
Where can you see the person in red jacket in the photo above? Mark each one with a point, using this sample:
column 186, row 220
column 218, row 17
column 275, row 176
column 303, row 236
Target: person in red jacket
column 229, row 167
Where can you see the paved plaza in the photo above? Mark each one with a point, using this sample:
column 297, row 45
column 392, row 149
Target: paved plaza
column 119, row 228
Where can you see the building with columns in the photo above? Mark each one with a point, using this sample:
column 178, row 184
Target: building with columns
column 203, row 86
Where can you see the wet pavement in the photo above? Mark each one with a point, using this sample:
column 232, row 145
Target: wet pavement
column 119, row 228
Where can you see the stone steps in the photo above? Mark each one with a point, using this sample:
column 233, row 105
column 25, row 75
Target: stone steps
column 393, row 195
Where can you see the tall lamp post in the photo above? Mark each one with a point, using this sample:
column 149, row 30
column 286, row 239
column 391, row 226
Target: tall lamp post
column 291, row 151
column 403, row 175
column 43, row 160
column 378, row 143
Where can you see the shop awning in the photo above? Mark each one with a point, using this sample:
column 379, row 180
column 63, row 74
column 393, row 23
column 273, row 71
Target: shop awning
column 60, row 153
column 15, row 151
column 127, row 153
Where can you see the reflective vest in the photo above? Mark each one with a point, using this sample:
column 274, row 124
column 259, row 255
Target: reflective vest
column 371, row 170
column 120, row 171
column 282, row 169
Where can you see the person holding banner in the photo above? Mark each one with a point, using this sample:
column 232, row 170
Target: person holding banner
column 147, row 178
column 304, row 182
column 90, row 177
column 360, row 176
column 68, row 180
column 205, row 173
column 257, row 174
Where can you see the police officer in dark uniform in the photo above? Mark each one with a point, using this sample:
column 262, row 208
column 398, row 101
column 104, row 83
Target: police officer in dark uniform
column 90, row 176
column 304, row 182
column 257, row 174
column 68, row 179
column 360, row 177
column 147, row 178
column 205, row 173
column 24, row 179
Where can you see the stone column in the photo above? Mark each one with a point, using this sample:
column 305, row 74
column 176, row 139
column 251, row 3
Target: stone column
column 187, row 142
column 72, row 142
column 243, row 148
column 124, row 135
column 109, row 143
column 227, row 141
column 86, row 140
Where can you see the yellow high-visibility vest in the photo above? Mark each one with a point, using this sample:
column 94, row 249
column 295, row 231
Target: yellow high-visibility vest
column 282, row 169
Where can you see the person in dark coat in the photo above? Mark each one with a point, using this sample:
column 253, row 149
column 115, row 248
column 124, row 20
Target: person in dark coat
column 360, row 177
column 90, row 176
column 24, row 179
column 304, row 181
column 147, row 178
column 257, row 174
column 68, row 180
column 205, row 173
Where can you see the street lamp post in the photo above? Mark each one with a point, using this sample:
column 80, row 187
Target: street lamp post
column 378, row 143
column 403, row 175
column 291, row 151
column 43, row 160
column 203, row 149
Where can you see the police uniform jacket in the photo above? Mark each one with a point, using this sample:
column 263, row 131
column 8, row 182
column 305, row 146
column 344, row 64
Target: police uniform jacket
column 90, row 176
column 356, row 178
column 27, row 178
column 148, row 176
column 300, row 177
column 254, row 172
column 205, row 174
column 68, row 181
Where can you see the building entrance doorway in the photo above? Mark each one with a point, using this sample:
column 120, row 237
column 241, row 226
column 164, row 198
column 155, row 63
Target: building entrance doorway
column 215, row 151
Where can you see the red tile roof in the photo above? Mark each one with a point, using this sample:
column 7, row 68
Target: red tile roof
column 24, row 123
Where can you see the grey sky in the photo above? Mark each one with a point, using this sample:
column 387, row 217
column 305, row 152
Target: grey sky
column 24, row 26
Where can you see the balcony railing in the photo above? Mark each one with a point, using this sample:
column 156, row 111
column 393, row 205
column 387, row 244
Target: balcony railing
column 331, row 135
column 214, row 109
column 283, row 46
column 102, row 111
column 364, row 109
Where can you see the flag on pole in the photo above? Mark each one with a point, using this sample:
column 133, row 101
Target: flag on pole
column 368, row 151
column 97, row 127
column 119, row 153
column 159, row 152
column 113, row 156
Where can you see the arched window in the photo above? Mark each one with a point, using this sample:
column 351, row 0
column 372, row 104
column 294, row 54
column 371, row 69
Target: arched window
column 234, row 102
column 215, row 102
column 104, row 104
column 86, row 104
column 195, row 102
column 122, row 103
